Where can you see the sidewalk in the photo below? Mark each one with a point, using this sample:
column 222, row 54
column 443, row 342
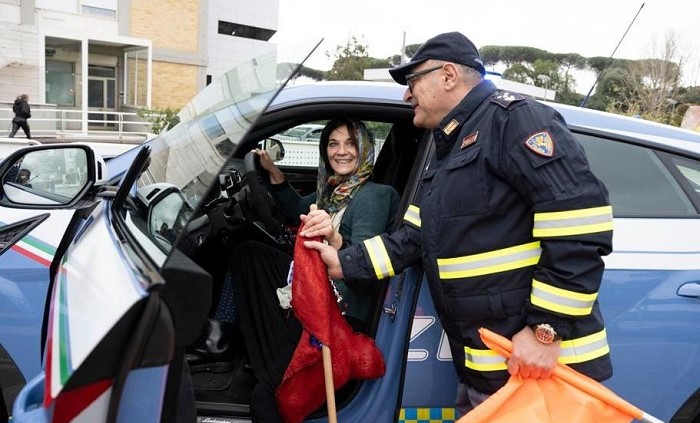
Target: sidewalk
column 105, row 145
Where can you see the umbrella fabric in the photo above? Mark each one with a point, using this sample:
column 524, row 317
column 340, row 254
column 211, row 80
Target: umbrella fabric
column 354, row 355
column 567, row 396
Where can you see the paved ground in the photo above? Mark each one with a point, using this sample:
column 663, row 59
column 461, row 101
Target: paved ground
column 106, row 146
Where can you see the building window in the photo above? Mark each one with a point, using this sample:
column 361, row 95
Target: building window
column 245, row 31
column 102, row 71
column 60, row 83
column 101, row 8
column 136, row 78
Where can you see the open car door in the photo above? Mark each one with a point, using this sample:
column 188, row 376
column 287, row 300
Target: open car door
column 44, row 192
column 125, row 296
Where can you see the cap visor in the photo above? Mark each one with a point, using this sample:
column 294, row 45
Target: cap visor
column 399, row 72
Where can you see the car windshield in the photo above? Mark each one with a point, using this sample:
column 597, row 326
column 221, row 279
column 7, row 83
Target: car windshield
column 187, row 158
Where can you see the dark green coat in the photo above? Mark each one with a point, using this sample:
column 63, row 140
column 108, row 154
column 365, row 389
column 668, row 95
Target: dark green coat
column 369, row 213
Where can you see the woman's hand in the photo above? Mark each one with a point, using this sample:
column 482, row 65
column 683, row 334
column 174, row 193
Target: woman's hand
column 318, row 223
column 276, row 175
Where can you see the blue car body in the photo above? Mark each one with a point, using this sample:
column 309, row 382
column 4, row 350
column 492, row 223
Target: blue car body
column 650, row 294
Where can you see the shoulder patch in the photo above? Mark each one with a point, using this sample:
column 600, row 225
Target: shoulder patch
column 505, row 98
column 541, row 143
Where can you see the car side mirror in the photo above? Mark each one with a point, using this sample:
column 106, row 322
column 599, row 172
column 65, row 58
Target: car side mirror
column 274, row 148
column 49, row 176
column 167, row 213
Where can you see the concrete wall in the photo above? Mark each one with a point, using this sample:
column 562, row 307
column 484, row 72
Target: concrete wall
column 19, row 70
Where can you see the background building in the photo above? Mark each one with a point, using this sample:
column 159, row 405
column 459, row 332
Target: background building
column 90, row 65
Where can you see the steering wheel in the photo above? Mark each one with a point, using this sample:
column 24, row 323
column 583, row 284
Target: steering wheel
column 261, row 207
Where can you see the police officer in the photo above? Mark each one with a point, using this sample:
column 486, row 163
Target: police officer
column 510, row 225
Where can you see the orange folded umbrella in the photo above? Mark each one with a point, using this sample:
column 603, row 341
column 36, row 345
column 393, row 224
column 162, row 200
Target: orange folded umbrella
column 567, row 396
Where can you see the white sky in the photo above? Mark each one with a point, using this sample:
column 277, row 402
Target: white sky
column 587, row 27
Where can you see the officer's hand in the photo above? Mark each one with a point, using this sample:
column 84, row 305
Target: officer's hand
column 318, row 223
column 530, row 358
column 329, row 255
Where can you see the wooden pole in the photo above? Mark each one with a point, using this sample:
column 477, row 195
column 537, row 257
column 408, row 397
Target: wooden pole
column 328, row 377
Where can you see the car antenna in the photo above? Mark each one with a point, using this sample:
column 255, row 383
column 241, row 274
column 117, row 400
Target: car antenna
column 585, row 100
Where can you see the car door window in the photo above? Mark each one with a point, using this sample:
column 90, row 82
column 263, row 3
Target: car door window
column 185, row 161
column 638, row 181
column 301, row 153
column 301, row 143
column 690, row 169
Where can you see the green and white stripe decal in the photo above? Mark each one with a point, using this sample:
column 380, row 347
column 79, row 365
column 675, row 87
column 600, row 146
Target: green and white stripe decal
column 36, row 250
column 95, row 287
column 40, row 244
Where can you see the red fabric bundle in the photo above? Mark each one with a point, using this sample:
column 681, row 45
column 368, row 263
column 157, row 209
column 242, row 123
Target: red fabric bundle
column 354, row 355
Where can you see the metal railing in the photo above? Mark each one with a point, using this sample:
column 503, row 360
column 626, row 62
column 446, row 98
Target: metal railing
column 71, row 123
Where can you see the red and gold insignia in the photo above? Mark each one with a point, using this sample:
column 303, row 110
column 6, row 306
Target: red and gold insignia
column 469, row 140
column 541, row 143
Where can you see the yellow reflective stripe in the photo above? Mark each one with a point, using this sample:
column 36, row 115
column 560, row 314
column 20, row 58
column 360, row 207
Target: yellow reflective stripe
column 576, row 350
column 490, row 262
column 483, row 360
column 379, row 257
column 561, row 300
column 412, row 215
column 573, row 222
column 584, row 349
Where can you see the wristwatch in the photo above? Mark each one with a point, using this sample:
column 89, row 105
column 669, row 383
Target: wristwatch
column 545, row 333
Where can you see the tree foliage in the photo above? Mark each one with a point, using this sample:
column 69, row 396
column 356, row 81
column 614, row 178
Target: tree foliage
column 351, row 60
column 649, row 88
column 159, row 119
column 314, row 74
column 411, row 49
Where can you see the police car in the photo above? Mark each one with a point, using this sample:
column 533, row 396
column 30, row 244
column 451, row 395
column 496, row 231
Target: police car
column 108, row 270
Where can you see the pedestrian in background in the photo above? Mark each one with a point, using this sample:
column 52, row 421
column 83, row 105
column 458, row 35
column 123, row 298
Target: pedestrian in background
column 22, row 113
column 509, row 223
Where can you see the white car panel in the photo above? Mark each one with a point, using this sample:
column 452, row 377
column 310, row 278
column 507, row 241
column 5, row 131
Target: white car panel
column 638, row 245
column 95, row 301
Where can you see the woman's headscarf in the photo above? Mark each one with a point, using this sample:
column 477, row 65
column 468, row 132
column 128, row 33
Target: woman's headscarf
column 334, row 191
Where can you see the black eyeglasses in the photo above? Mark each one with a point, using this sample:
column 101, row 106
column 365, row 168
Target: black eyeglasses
column 415, row 75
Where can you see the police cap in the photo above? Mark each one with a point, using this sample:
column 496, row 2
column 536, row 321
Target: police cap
column 450, row 47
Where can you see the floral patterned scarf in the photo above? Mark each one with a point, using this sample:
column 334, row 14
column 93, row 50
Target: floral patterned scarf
column 334, row 192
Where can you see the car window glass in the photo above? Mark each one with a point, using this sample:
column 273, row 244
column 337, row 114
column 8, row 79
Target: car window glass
column 185, row 161
column 637, row 180
column 690, row 169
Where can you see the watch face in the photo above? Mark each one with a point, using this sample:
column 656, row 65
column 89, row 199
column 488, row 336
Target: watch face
column 545, row 333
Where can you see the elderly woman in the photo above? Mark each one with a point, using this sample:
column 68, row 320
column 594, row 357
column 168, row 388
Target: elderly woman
column 348, row 208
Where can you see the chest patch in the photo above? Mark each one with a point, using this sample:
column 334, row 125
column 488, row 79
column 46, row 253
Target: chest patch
column 469, row 140
column 541, row 143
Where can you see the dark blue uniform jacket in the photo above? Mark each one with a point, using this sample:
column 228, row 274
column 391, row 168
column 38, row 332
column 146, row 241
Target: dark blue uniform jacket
column 511, row 226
